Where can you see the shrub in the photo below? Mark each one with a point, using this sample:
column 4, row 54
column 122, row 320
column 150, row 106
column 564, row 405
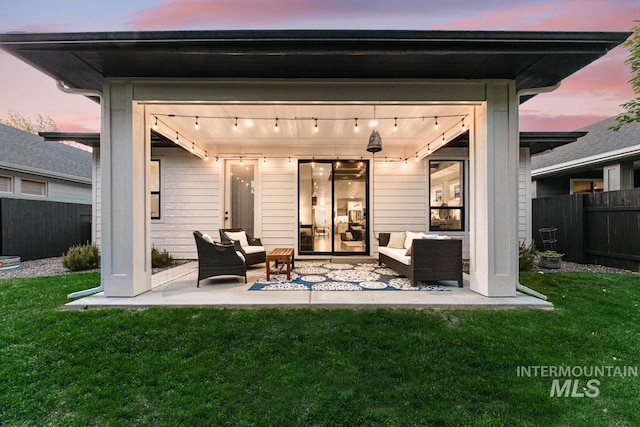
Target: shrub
column 160, row 259
column 527, row 256
column 81, row 257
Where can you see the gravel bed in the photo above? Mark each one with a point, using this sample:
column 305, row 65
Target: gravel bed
column 53, row 267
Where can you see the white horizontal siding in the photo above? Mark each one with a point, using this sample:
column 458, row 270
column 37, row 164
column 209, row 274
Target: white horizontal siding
column 524, row 196
column 399, row 198
column 69, row 193
column 278, row 204
column 190, row 195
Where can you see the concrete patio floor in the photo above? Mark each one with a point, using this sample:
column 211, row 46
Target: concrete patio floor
column 176, row 287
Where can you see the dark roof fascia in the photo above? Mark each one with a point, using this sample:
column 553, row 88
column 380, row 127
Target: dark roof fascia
column 537, row 142
column 92, row 139
column 533, row 59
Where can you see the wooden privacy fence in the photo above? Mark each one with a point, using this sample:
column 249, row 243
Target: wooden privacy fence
column 33, row 229
column 599, row 228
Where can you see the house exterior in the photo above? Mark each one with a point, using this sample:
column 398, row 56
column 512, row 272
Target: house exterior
column 270, row 130
column 33, row 169
column 45, row 195
column 600, row 160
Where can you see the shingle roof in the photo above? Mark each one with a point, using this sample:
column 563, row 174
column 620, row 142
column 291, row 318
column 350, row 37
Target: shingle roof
column 27, row 152
column 595, row 146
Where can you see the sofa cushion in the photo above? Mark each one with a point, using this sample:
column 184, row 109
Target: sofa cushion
column 207, row 238
column 396, row 240
column 395, row 253
column 409, row 238
column 240, row 236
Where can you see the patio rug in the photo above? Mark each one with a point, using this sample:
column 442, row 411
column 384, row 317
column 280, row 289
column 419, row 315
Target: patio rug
column 331, row 276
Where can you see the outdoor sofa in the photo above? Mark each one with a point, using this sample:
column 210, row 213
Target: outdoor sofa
column 421, row 257
column 251, row 248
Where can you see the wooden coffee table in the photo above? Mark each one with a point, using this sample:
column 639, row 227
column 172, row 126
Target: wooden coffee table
column 283, row 255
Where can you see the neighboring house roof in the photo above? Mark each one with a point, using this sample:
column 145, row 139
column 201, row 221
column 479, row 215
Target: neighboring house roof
column 531, row 58
column 599, row 146
column 26, row 152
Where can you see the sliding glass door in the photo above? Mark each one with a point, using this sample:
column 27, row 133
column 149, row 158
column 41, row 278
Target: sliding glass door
column 333, row 199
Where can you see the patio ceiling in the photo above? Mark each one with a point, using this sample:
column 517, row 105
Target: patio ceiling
column 297, row 135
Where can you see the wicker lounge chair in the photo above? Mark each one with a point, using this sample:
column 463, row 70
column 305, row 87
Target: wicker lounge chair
column 431, row 260
column 253, row 251
column 218, row 259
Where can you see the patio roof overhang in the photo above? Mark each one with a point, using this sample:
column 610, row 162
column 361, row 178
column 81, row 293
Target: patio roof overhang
column 532, row 59
column 537, row 142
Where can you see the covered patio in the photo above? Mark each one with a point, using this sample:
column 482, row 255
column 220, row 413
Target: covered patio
column 281, row 101
column 176, row 288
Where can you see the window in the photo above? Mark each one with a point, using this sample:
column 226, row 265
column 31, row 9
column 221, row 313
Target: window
column 34, row 188
column 155, row 189
column 446, row 195
column 582, row 186
column 6, row 184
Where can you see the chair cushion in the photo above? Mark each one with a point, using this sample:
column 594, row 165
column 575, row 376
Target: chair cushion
column 241, row 256
column 396, row 240
column 253, row 249
column 207, row 238
column 240, row 236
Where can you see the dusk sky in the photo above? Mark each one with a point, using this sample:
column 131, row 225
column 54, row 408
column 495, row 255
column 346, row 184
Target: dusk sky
column 591, row 94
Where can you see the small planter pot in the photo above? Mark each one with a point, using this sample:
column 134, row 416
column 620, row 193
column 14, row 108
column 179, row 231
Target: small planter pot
column 9, row 263
column 554, row 261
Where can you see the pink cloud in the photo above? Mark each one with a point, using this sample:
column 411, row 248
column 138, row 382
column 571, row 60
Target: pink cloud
column 564, row 123
column 239, row 13
column 79, row 124
column 572, row 15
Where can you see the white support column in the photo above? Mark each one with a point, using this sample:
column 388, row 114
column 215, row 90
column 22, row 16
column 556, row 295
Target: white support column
column 494, row 152
column 125, row 226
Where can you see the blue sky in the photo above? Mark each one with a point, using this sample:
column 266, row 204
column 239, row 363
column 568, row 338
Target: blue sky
column 593, row 93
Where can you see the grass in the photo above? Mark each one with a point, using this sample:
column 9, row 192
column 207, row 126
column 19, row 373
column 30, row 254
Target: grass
column 313, row 367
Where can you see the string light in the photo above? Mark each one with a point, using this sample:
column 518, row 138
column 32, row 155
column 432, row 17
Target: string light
column 417, row 158
column 289, row 160
column 241, row 162
column 436, row 125
column 463, row 126
column 235, row 126
column 395, row 124
column 193, row 147
column 206, row 156
column 275, row 127
column 155, row 125
column 177, row 137
column 443, row 137
column 264, row 160
column 355, row 128
column 217, row 159
column 197, row 126
column 315, row 128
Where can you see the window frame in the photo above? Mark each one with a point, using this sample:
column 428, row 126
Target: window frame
column 11, row 186
column 462, row 208
column 156, row 192
column 35, row 181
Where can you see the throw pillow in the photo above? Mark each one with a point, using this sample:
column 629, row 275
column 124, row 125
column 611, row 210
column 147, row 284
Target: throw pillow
column 240, row 236
column 408, row 253
column 396, row 240
column 207, row 238
column 348, row 235
column 409, row 239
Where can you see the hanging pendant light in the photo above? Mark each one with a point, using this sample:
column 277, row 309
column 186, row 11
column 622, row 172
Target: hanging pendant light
column 375, row 142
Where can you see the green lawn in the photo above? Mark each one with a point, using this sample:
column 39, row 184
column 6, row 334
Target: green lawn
column 280, row 367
